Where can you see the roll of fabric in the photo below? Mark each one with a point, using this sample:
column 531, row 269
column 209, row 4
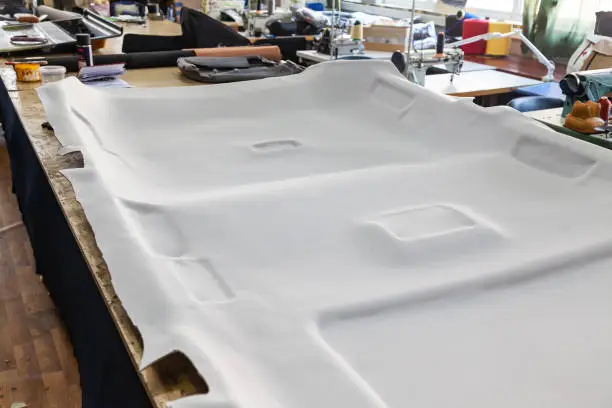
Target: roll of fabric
column 270, row 52
column 132, row 61
column 160, row 59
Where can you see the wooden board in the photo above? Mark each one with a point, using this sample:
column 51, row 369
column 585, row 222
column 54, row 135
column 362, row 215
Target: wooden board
column 478, row 83
column 523, row 65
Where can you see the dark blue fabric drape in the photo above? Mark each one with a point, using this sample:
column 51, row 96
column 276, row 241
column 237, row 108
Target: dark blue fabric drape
column 108, row 377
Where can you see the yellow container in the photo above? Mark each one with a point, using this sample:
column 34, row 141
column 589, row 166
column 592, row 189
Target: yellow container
column 500, row 46
column 27, row 72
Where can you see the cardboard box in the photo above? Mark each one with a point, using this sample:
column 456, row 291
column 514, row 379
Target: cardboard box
column 600, row 57
column 385, row 38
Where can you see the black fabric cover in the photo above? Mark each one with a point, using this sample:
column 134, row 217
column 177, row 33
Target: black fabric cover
column 108, row 377
column 216, row 70
column 199, row 31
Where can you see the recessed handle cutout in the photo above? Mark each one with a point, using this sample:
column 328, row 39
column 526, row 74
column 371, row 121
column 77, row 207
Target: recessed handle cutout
column 555, row 159
column 276, row 146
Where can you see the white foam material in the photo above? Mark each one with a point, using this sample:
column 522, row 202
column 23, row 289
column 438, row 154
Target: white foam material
column 344, row 238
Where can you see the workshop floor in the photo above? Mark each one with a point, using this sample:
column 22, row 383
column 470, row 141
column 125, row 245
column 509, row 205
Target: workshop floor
column 37, row 367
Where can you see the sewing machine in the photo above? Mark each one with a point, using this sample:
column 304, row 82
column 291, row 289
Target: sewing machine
column 585, row 86
column 418, row 62
column 415, row 64
column 256, row 22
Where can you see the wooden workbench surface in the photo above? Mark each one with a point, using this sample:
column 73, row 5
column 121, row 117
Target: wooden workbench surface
column 173, row 377
column 522, row 65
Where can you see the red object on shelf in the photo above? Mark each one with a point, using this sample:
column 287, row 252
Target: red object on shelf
column 472, row 28
column 605, row 104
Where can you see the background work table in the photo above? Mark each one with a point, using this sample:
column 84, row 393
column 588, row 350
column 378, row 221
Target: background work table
column 476, row 79
column 477, row 83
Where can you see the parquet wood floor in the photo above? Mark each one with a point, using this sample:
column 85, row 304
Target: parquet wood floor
column 37, row 367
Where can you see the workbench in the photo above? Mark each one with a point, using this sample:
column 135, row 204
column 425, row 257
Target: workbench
column 106, row 344
column 553, row 118
column 315, row 56
column 477, row 83
column 475, row 79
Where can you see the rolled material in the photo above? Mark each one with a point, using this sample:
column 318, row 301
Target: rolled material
column 271, row 52
column 132, row 61
column 160, row 59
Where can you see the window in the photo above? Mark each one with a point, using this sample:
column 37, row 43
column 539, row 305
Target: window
column 510, row 10
column 502, row 9
column 498, row 5
column 578, row 15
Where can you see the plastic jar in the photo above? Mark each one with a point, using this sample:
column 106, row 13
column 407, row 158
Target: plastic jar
column 27, row 72
column 52, row 73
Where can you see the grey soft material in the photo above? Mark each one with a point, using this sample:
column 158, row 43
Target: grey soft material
column 233, row 69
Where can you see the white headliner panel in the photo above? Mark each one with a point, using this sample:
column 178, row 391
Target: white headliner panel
column 344, row 238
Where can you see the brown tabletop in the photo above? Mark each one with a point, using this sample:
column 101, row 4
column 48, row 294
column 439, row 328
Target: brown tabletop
column 522, row 65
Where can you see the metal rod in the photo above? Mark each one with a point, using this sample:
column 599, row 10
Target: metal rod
column 408, row 47
column 332, row 41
